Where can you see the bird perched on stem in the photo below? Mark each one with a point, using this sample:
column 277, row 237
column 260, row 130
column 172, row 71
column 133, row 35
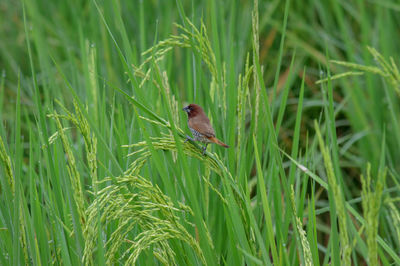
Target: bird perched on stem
column 200, row 126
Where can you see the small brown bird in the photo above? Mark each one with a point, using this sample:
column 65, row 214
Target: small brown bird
column 200, row 126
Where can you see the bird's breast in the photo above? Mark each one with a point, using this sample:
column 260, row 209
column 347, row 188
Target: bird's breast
column 198, row 136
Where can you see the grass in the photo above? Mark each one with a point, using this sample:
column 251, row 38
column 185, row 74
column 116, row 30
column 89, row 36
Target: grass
column 94, row 164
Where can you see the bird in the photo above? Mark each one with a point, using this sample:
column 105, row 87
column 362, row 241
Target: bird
column 200, row 126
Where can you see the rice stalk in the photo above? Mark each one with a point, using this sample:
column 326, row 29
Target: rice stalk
column 172, row 102
column 303, row 238
column 243, row 93
column 207, row 181
column 191, row 37
column 345, row 245
column 80, row 122
column 256, row 56
column 386, row 69
column 394, row 213
column 168, row 143
column 73, row 172
column 90, row 140
column 5, row 159
column 133, row 202
column 94, row 87
column 371, row 203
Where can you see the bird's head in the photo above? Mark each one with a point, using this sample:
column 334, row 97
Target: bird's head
column 192, row 109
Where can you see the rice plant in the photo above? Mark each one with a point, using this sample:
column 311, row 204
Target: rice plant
column 95, row 166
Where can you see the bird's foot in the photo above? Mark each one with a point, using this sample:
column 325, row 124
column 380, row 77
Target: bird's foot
column 204, row 150
column 188, row 138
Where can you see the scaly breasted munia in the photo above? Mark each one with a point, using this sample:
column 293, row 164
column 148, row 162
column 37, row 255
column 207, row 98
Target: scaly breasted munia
column 200, row 126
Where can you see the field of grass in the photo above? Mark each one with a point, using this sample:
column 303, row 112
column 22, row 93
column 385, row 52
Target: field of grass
column 93, row 164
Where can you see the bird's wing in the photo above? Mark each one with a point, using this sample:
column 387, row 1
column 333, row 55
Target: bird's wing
column 202, row 125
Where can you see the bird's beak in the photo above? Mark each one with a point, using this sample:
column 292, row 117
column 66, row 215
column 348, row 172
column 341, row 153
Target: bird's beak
column 186, row 109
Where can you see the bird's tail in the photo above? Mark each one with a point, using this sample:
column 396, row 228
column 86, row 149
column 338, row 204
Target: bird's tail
column 217, row 141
